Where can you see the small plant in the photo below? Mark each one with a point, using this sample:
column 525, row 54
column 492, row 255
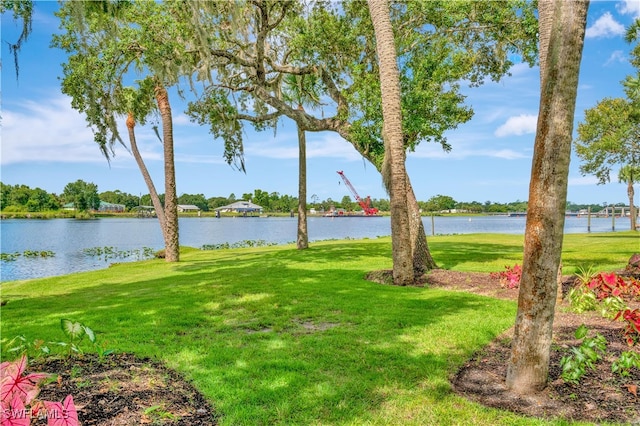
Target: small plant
column 75, row 332
column 510, row 277
column 632, row 327
column 18, row 395
column 625, row 362
column 610, row 306
column 19, row 344
column 604, row 291
column 582, row 357
column 582, row 299
column 158, row 412
column 607, row 284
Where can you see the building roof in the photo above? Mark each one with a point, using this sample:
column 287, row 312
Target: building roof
column 104, row 205
column 242, row 206
column 188, row 207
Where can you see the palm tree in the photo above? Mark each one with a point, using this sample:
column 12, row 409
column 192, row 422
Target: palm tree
column 630, row 175
column 394, row 173
column 102, row 50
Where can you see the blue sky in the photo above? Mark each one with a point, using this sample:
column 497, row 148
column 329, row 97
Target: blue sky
column 46, row 144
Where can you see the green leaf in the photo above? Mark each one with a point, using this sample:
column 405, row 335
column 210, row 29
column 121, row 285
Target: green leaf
column 73, row 330
column 581, row 332
column 90, row 334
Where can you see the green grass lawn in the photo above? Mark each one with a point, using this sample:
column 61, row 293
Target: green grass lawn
column 274, row 335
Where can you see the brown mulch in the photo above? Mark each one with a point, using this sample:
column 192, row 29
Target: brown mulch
column 122, row 389
column 600, row 395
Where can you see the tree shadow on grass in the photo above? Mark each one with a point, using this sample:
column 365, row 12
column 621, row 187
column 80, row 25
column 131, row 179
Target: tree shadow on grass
column 450, row 254
column 253, row 335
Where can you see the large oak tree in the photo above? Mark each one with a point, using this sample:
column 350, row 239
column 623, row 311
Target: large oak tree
column 244, row 51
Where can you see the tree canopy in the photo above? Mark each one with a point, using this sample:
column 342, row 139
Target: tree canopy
column 83, row 195
column 251, row 50
column 609, row 137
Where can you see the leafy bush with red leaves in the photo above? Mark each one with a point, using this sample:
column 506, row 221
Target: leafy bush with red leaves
column 607, row 284
column 18, row 398
column 634, row 264
column 510, row 277
column 632, row 327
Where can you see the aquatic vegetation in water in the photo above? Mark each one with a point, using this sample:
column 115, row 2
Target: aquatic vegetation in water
column 9, row 257
column 238, row 244
column 108, row 252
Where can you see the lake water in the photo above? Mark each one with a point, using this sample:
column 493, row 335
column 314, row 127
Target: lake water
column 68, row 238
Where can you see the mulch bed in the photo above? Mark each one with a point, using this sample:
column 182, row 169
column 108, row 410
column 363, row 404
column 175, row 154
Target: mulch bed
column 599, row 396
column 122, row 389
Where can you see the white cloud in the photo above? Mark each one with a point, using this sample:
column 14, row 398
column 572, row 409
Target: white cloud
column 518, row 125
column 520, row 69
column 605, row 27
column 285, row 146
column 616, row 56
column 462, row 149
column 583, row 181
column 183, row 120
column 629, row 7
column 51, row 131
column 505, row 154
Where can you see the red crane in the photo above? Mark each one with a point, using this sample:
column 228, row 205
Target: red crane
column 365, row 204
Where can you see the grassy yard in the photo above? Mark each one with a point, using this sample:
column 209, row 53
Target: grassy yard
column 274, row 335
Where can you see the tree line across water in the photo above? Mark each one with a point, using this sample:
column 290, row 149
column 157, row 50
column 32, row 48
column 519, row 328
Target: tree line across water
column 85, row 196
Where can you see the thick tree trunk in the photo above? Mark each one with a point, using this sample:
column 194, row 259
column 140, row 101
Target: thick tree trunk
column 393, row 169
column 422, row 260
column 632, row 208
column 529, row 363
column 155, row 199
column 172, row 244
column 302, row 241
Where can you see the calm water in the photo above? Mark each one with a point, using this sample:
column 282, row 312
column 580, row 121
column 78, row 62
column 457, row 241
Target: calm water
column 68, row 237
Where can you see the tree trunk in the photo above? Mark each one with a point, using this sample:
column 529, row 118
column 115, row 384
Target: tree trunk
column 393, row 168
column 528, row 366
column 302, row 240
column 631, row 194
column 155, row 199
column 422, row 260
column 171, row 238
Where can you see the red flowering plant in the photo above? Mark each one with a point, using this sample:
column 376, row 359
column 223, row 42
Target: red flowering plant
column 18, row 394
column 510, row 277
column 632, row 328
